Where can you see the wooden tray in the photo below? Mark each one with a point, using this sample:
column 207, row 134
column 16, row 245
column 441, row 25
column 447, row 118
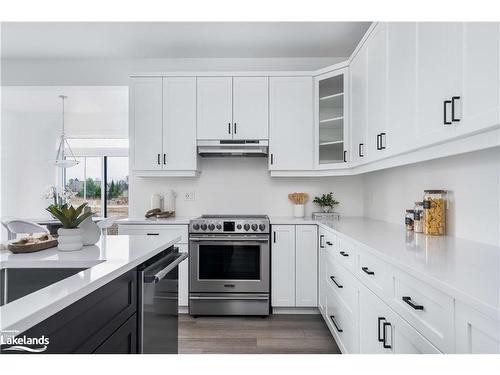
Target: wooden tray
column 17, row 248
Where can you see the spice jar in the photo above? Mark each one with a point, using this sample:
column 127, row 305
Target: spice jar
column 434, row 204
column 418, row 217
column 409, row 220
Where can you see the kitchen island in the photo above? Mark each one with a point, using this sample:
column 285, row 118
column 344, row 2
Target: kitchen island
column 98, row 267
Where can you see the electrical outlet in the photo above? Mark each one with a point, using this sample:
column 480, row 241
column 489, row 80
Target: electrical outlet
column 189, row 196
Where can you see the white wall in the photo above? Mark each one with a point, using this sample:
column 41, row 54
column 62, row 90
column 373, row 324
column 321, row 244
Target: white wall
column 243, row 186
column 473, row 180
column 35, row 72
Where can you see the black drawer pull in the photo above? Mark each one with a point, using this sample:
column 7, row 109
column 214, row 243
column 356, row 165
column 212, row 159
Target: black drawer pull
column 386, row 324
column 329, row 243
column 321, row 243
column 378, row 141
column 332, row 318
column 453, row 118
column 367, row 271
column 413, row 305
column 360, row 150
column 159, row 159
column 152, row 234
column 381, row 337
column 445, row 111
column 345, row 156
column 382, row 139
column 335, row 282
column 344, row 254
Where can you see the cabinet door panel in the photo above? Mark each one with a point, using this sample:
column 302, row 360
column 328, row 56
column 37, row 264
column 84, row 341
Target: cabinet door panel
column 283, row 266
column 476, row 333
column 481, row 78
column 179, row 131
column 214, row 107
column 146, row 116
column 306, row 284
column 359, row 92
column 291, row 123
column 377, row 90
column 250, row 108
column 439, row 72
column 401, row 84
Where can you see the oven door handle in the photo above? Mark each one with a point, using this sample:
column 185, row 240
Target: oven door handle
column 230, row 298
column 227, row 239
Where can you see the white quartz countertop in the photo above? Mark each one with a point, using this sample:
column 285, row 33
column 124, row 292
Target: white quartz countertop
column 142, row 220
column 111, row 257
column 467, row 269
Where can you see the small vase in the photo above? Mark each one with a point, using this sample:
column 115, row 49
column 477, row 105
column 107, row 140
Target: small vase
column 298, row 210
column 90, row 232
column 69, row 239
column 326, row 209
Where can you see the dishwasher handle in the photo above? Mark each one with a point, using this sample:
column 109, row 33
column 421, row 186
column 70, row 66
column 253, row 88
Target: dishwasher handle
column 161, row 274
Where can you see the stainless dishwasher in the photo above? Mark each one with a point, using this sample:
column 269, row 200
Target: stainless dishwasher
column 158, row 302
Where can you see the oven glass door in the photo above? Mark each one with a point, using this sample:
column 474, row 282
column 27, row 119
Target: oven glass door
column 233, row 266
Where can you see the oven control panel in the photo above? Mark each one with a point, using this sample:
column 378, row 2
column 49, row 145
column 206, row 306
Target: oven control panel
column 221, row 225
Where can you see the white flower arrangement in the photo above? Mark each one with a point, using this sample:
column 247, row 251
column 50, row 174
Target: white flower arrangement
column 59, row 196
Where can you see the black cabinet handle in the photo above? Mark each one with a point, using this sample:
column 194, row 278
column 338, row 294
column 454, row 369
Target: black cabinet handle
column 272, row 159
column 229, row 128
column 453, row 118
column 445, row 111
column 360, row 150
column 274, row 237
column 164, row 158
column 234, row 128
column 152, row 234
column 382, row 139
column 408, row 300
column 329, row 243
column 345, row 156
column 386, row 324
column 380, row 336
column 367, row 271
column 332, row 318
column 159, row 159
column 335, row 282
column 344, row 254
column 321, row 243
column 378, row 141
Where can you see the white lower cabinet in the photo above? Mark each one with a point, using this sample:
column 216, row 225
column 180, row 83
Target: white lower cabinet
column 476, row 333
column 294, row 266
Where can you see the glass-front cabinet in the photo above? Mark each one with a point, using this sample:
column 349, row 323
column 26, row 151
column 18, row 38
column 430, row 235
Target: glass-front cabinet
column 331, row 119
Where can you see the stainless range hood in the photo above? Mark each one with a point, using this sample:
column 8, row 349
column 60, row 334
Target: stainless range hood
column 232, row 147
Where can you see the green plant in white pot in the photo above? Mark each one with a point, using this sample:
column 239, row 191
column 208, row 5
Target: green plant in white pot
column 326, row 202
column 70, row 235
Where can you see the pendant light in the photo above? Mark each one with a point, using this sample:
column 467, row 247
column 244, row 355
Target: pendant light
column 63, row 159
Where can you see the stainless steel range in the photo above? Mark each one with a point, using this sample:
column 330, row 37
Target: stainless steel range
column 229, row 265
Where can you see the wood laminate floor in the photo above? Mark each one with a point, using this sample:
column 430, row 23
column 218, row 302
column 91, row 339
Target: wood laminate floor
column 276, row 334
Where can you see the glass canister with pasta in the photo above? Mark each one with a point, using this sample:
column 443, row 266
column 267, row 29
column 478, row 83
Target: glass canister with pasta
column 434, row 203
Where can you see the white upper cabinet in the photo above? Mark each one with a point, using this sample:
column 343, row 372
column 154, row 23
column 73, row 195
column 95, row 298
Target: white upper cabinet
column 179, row 128
column 214, row 108
column 358, row 106
column 233, row 108
column 439, row 72
column 377, row 137
column 291, row 123
column 401, row 84
column 331, row 119
column 250, row 108
column 146, row 128
column 163, row 125
column 481, row 77
column 306, row 258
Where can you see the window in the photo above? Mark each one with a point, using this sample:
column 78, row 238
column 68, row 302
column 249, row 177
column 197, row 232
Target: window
column 102, row 181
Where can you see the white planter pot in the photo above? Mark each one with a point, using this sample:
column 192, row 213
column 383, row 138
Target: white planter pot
column 69, row 239
column 298, row 210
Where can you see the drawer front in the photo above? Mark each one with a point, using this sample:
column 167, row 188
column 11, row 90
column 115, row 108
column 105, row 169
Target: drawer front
column 341, row 324
column 342, row 283
column 156, row 230
column 375, row 273
column 345, row 254
column 427, row 309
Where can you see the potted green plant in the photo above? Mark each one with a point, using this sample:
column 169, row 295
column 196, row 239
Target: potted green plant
column 70, row 236
column 326, row 202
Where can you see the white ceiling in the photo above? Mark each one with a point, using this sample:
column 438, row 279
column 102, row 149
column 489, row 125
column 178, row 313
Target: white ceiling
column 53, row 40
